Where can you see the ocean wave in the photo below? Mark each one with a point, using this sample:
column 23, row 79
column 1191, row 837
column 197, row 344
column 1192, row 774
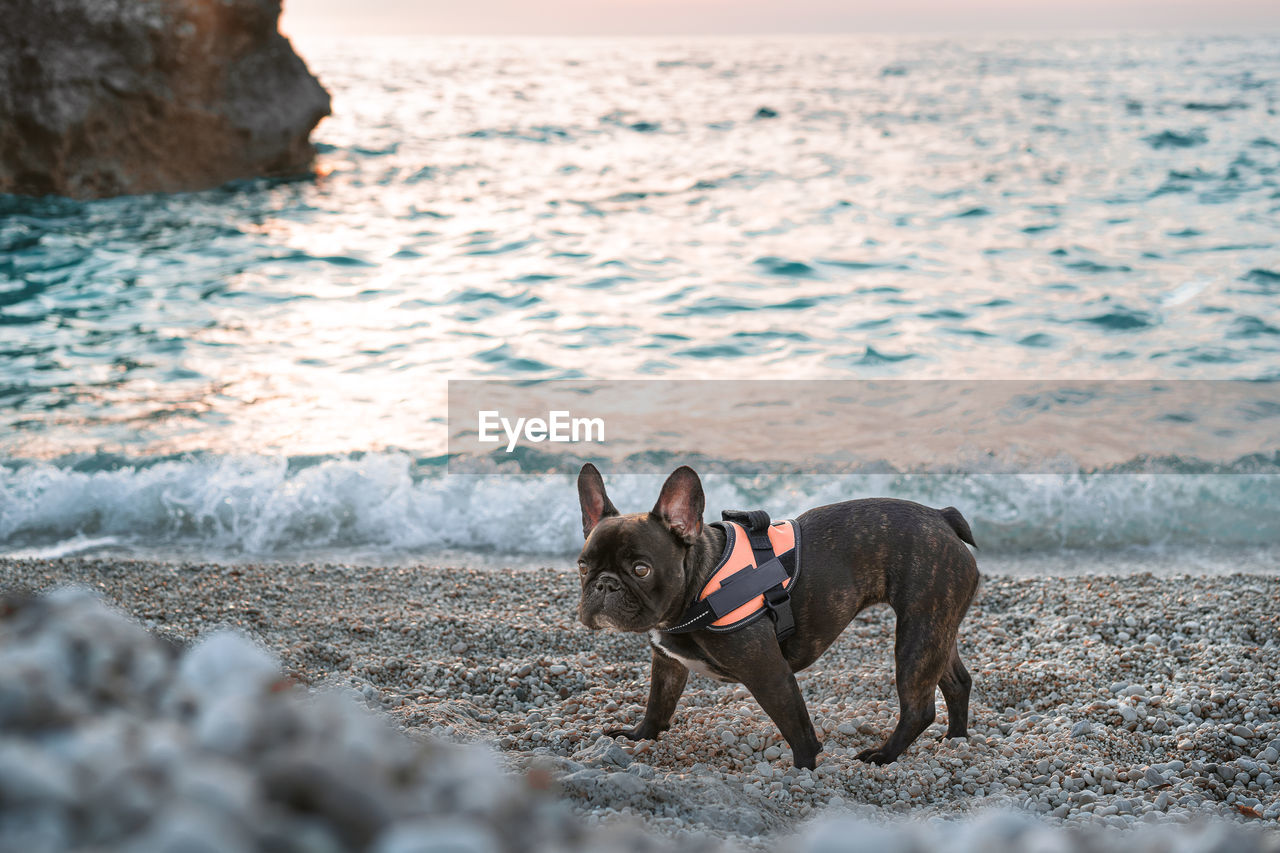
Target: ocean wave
column 395, row 504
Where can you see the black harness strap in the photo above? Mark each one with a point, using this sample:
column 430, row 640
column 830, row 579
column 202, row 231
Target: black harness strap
column 739, row 588
column 778, row 602
column 756, row 523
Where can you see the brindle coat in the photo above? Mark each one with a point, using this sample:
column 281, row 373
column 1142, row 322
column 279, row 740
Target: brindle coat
column 853, row 555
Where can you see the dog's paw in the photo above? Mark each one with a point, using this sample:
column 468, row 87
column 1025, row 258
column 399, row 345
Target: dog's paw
column 875, row 756
column 644, row 730
column 640, row 732
column 629, row 734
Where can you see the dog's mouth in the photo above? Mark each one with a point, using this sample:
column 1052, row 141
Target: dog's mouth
column 618, row 611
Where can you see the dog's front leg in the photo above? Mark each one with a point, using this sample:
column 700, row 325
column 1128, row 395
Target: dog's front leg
column 779, row 696
column 774, row 686
column 666, row 685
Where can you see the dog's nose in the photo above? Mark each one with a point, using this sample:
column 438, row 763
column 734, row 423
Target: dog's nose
column 605, row 583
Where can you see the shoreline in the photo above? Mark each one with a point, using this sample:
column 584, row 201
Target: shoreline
column 1159, row 560
column 1097, row 700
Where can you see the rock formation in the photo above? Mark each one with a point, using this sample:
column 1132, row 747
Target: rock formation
column 112, row 97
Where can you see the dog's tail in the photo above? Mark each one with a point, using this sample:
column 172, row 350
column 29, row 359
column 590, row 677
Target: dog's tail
column 952, row 516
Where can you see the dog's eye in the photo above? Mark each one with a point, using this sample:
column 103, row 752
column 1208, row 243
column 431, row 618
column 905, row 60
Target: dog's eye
column 582, row 566
column 641, row 570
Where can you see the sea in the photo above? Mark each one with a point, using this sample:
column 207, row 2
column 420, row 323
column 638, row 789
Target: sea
column 261, row 371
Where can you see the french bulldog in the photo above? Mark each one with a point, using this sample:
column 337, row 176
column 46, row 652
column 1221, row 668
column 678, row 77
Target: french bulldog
column 641, row 572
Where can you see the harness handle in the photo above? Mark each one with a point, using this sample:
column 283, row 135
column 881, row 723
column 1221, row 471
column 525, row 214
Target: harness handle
column 751, row 519
column 756, row 523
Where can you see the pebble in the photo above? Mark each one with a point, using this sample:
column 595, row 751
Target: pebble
column 1068, row 721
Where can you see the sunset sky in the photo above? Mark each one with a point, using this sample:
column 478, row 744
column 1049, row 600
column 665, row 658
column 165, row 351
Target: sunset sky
column 677, row 17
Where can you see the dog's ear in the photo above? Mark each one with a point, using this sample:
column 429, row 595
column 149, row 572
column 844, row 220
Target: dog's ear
column 681, row 503
column 591, row 495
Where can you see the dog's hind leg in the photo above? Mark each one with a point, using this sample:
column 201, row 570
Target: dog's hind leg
column 955, row 684
column 921, row 658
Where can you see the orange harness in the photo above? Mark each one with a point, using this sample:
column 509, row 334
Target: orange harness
column 755, row 574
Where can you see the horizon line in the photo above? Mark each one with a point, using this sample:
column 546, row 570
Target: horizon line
column 1232, row 30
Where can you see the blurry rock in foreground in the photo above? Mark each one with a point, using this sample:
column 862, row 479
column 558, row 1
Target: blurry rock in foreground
column 113, row 739
column 114, row 97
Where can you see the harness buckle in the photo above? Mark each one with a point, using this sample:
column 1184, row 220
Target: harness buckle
column 777, row 602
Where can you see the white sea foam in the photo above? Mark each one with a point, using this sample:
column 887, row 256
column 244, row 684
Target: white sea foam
column 386, row 504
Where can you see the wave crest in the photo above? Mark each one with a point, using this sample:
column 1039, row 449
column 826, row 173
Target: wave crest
column 390, row 503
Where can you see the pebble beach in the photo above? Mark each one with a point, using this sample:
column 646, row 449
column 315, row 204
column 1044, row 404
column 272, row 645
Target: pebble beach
column 1099, row 702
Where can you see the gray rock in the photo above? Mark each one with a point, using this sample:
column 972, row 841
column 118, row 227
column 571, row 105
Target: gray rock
column 30, row 776
column 112, row 97
column 605, row 752
column 624, row 784
column 436, row 837
column 848, row 835
column 190, row 831
column 1081, row 729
